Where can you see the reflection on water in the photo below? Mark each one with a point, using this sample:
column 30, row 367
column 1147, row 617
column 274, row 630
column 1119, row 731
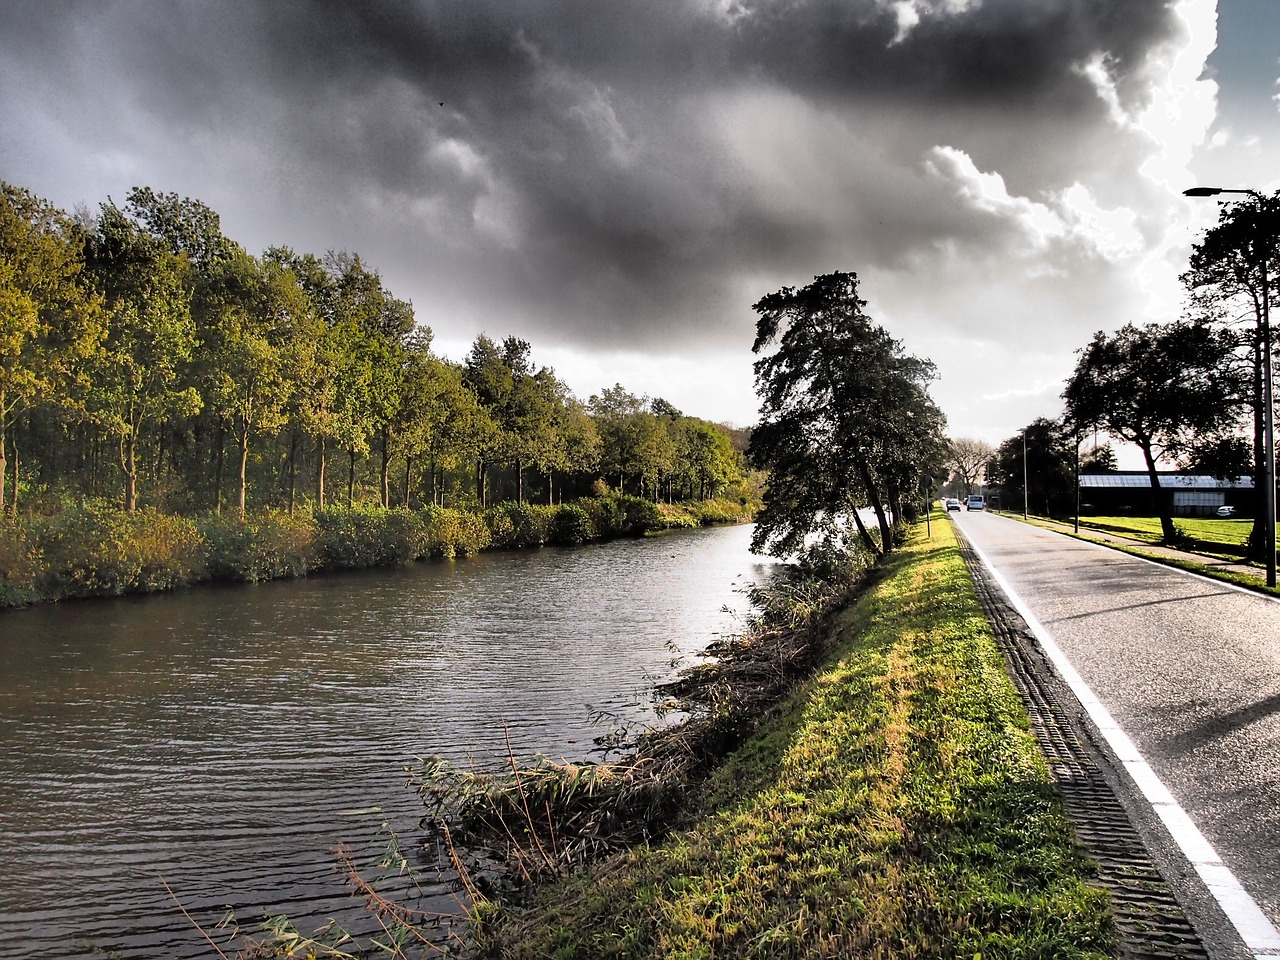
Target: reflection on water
column 223, row 740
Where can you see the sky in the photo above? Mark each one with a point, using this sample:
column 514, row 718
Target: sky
column 618, row 183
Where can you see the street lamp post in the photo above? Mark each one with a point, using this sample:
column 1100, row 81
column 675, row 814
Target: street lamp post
column 1076, row 435
column 1268, row 438
column 1026, row 491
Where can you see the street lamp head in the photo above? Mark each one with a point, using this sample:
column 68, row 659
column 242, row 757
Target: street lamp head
column 1202, row 192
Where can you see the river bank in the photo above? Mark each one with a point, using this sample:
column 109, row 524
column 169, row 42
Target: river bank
column 227, row 738
column 95, row 549
column 895, row 806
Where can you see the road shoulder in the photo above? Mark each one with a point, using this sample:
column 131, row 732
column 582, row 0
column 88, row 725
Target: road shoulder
column 1162, row 909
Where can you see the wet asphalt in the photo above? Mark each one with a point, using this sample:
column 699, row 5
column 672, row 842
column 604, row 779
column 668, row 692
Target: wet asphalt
column 1190, row 670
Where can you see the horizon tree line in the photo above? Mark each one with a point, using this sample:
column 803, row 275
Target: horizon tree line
column 145, row 355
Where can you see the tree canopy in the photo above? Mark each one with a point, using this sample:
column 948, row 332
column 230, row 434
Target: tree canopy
column 846, row 424
column 1159, row 387
column 1226, row 279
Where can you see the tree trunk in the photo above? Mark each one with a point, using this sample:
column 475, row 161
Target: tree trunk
column 864, row 534
column 293, row 468
column 385, row 474
column 351, row 477
column 13, row 488
column 434, row 492
column 219, row 460
column 408, row 474
column 128, row 463
column 1163, row 506
column 873, row 497
column 519, row 481
column 320, row 474
column 1257, row 545
column 3, row 463
column 243, row 437
column 550, row 486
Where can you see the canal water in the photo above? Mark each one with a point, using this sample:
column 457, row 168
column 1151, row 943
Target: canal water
column 219, row 743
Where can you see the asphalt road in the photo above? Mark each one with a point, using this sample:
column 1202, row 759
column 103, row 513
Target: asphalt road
column 1189, row 670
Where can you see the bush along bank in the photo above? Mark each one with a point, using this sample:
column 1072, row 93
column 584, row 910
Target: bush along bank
column 894, row 804
column 96, row 549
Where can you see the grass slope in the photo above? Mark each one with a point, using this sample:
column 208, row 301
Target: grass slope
column 899, row 809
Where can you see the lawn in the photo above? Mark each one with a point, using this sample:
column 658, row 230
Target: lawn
column 1213, row 537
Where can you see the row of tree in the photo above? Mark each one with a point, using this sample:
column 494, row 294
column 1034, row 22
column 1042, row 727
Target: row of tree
column 1188, row 393
column 143, row 351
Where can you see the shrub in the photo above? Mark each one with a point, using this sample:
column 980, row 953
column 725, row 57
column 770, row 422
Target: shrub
column 502, row 529
column 519, row 524
column 405, row 537
column 97, row 549
column 571, row 525
column 721, row 511
column 19, row 564
column 357, row 537
column 260, row 547
column 639, row 515
column 677, row 516
column 169, row 549
column 454, row 533
column 605, row 514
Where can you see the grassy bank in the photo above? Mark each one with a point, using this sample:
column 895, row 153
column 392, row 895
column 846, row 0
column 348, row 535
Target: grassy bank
column 94, row 548
column 897, row 808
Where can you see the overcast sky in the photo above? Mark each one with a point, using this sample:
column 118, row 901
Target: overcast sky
column 619, row 182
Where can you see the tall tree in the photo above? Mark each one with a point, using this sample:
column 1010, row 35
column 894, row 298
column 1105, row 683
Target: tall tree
column 618, row 414
column 845, row 415
column 968, row 459
column 1158, row 387
column 254, row 338
column 1042, row 454
column 49, row 321
column 1225, row 277
column 142, row 375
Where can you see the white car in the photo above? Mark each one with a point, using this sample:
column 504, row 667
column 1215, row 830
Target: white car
column 976, row 501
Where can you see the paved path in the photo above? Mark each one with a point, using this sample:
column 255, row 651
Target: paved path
column 1189, row 671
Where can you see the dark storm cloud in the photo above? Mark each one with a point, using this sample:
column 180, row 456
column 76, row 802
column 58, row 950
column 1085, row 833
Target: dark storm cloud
column 597, row 172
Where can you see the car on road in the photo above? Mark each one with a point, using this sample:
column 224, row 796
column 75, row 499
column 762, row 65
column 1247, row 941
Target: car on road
column 1226, row 511
column 952, row 503
column 976, row 501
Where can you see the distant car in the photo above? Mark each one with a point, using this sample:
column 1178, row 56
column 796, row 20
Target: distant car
column 953, row 504
column 976, row 502
column 1226, row 511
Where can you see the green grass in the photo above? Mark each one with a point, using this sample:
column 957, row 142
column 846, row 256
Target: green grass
column 899, row 808
column 1213, row 537
column 1248, row 581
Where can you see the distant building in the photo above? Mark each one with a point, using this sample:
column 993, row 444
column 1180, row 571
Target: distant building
column 1194, row 495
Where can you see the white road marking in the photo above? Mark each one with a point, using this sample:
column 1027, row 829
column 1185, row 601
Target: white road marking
column 1255, row 929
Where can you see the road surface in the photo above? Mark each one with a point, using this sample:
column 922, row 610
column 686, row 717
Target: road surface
column 1189, row 671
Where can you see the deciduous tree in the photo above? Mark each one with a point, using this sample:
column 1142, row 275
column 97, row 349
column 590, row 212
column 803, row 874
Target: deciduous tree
column 845, row 416
column 1158, row 387
column 1225, row 278
column 968, row 459
column 49, row 321
column 142, row 374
